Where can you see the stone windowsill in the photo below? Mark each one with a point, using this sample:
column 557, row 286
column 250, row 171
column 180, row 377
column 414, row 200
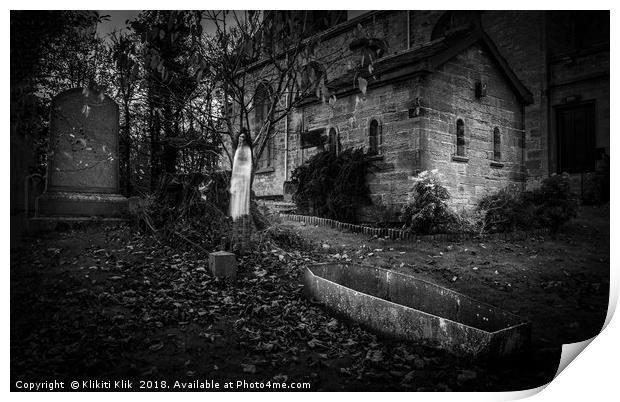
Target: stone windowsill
column 377, row 157
column 496, row 164
column 265, row 170
column 459, row 158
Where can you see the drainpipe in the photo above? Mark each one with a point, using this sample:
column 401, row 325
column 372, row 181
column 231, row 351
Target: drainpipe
column 303, row 128
column 286, row 140
column 408, row 29
column 551, row 145
column 523, row 153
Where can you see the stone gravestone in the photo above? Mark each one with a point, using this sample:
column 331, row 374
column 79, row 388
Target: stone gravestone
column 82, row 160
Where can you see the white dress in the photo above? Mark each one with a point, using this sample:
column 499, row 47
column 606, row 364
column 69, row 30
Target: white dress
column 240, row 182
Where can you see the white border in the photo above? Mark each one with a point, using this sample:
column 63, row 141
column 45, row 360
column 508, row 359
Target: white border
column 592, row 377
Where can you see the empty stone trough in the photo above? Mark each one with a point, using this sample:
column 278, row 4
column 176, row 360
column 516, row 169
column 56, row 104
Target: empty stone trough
column 404, row 307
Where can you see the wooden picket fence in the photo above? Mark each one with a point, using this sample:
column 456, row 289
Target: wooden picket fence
column 399, row 234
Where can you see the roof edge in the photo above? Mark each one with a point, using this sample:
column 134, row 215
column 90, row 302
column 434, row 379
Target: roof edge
column 476, row 36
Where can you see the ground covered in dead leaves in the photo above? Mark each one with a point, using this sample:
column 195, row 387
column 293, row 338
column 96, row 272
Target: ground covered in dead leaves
column 113, row 303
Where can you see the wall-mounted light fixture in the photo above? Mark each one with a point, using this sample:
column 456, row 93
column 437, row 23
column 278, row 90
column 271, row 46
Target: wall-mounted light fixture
column 572, row 99
column 416, row 110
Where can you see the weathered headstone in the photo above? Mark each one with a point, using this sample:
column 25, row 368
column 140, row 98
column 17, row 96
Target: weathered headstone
column 82, row 164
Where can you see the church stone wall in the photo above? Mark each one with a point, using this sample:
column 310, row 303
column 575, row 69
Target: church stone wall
column 526, row 41
column 520, row 37
column 451, row 96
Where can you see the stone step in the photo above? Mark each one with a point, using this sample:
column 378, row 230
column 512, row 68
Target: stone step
column 42, row 224
column 279, row 206
column 93, row 219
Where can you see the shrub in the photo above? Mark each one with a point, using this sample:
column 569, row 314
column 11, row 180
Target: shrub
column 554, row 203
column 467, row 221
column 214, row 190
column 426, row 210
column 386, row 215
column 596, row 189
column 193, row 209
column 333, row 186
column 507, row 210
column 550, row 206
column 191, row 206
column 286, row 239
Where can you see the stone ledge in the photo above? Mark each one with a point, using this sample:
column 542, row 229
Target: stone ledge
column 383, row 166
column 43, row 224
column 495, row 164
column 377, row 157
column 460, row 159
column 265, row 170
column 67, row 204
column 79, row 219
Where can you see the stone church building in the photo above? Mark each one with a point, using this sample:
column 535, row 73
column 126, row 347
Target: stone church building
column 489, row 99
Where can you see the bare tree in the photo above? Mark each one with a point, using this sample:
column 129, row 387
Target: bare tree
column 125, row 54
column 265, row 65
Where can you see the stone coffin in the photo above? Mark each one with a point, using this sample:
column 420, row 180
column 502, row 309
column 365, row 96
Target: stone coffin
column 404, row 307
column 82, row 172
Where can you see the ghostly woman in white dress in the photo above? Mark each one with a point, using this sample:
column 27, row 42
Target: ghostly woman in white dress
column 240, row 180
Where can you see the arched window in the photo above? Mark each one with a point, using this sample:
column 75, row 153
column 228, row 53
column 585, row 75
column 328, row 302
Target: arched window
column 460, row 138
column 374, row 138
column 262, row 127
column 333, row 142
column 497, row 145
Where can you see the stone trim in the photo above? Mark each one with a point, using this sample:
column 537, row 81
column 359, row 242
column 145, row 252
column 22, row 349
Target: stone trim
column 376, row 157
column 324, row 35
column 460, row 159
column 269, row 169
column 399, row 234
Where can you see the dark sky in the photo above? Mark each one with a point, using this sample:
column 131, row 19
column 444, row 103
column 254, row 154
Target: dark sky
column 117, row 20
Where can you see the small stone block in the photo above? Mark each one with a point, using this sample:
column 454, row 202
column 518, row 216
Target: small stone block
column 223, row 264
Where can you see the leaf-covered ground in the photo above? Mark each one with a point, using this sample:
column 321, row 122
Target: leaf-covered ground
column 112, row 303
